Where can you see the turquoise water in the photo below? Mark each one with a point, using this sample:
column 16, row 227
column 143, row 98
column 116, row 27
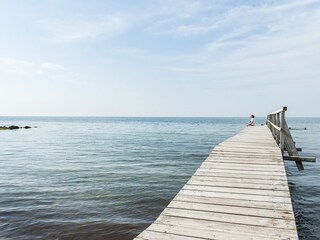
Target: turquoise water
column 109, row 178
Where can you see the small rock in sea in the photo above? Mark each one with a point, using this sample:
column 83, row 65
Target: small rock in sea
column 13, row 127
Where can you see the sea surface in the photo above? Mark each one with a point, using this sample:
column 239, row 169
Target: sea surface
column 109, row 178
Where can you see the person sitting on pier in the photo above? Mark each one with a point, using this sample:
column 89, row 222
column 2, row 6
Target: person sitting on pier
column 251, row 123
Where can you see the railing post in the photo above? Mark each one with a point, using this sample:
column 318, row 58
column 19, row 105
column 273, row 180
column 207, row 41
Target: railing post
column 278, row 125
column 281, row 125
column 273, row 120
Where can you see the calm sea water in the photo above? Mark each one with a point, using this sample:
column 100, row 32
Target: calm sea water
column 109, row 178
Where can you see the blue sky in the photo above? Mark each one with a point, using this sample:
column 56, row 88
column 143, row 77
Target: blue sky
column 159, row 57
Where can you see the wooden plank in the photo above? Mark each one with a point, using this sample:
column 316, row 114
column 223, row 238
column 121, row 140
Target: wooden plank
column 226, row 180
column 247, row 150
column 199, row 233
column 235, row 171
column 220, row 155
column 240, row 196
column 251, row 142
column 299, row 158
column 250, row 157
column 246, row 211
column 155, row 235
column 245, row 176
column 249, row 185
column 235, row 229
column 245, row 153
column 240, row 145
column 243, row 161
column 196, row 233
column 231, row 218
column 183, row 196
column 263, row 192
column 239, row 166
column 236, row 166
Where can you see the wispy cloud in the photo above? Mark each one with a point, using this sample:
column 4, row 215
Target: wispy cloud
column 251, row 44
column 201, row 17
column 79, row 28
column 179, row 18
column 179, row 9
column 24, row 68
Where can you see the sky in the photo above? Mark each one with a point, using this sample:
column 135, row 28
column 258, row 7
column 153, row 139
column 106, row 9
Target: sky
column 184, row 58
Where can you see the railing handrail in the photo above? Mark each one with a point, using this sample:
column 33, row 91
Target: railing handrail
column 273, row 125
column 283, row 109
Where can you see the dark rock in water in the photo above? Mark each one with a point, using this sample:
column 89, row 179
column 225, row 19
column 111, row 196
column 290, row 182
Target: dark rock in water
column 13, row 127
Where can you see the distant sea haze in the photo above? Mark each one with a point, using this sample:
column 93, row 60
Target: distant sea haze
column 109, row 178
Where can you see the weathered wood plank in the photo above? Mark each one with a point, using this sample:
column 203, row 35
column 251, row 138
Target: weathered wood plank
column 250, row 185
column 231, row 218
column 199, row 233
column 263, row 192
column 228, row 180
column 243, row 156
column 241, row 171
column 240, row 196
column 155, row 235
column 242, row 166
column 203, row 172
column 246, row 211
column 249, row 230
column 183, row 196
column 241, row 161
column 191, row 231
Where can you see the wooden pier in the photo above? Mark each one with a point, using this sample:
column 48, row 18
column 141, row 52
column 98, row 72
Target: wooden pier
column 239, row 192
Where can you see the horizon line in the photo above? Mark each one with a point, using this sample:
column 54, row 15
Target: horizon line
column 103, row 116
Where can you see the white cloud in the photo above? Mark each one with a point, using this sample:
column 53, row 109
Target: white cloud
column 23, row 67
column 130, row 51
column 179, row 17
column 51, row 66
column 186, row 70
column 290, row 5
column 77, row 29
column 179, row 9
column 192, row 29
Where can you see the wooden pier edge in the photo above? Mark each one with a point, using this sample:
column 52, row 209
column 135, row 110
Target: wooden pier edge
column 239, row 192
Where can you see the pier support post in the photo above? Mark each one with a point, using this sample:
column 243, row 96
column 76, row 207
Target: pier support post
column 282, row 119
